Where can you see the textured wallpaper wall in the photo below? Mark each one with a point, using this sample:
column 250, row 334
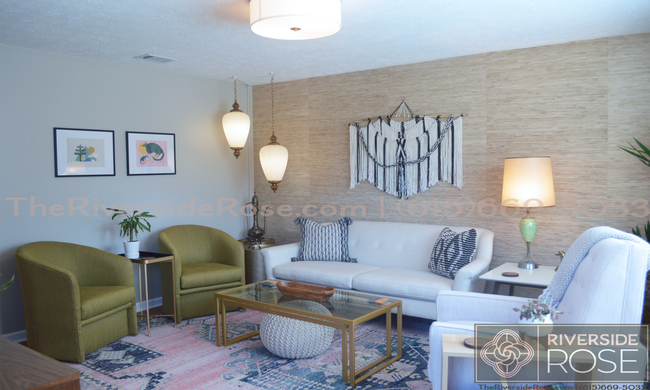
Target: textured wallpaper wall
column 574, row 102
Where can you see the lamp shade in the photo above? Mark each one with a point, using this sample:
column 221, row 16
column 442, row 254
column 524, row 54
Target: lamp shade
column 295, row 19
column 274, row 158
column 236, row 125
column 528, row 182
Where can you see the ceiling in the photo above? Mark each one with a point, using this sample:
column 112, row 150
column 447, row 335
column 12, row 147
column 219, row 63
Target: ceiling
column 212, row 38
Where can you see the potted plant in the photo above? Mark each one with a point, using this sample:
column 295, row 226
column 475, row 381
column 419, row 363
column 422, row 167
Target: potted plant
column 537, row 311
column 6, row 285
column 129, row 227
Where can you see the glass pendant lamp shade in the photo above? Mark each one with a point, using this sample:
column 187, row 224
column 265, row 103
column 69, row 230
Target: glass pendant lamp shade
column 274, row 158
column 236, row 125
column 295, row 19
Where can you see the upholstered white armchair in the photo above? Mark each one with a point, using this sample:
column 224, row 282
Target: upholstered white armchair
column 607, row 288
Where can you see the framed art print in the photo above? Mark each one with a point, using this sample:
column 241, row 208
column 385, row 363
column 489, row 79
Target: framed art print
column 150, row 153
column 79, row 152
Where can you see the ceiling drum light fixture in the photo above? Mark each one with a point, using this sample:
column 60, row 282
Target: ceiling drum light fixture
column 236, row 125
column 273, row 156
column 295, row 19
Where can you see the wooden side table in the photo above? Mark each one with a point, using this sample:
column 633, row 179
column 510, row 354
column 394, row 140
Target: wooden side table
column 452, row 346
column 254, row 263
column 540, row 277
column 145, row 259
column 22, row 368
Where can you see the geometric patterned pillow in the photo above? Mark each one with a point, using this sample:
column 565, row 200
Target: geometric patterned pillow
column 452, row 252
column 324, row 242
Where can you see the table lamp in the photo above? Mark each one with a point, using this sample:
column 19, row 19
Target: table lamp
column 528, row 182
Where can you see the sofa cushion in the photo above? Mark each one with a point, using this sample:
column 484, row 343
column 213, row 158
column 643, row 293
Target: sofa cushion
column 96, row 300
column 452, row 252
column 402, row 282
column 324, row 273
column 324, row 242
column 209, row 274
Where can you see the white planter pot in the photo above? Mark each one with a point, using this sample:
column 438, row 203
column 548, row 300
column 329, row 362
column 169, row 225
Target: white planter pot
column 532, row 331
column 132, row 249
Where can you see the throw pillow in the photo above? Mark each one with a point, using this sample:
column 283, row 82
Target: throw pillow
column 324, row 242
column 452, row 252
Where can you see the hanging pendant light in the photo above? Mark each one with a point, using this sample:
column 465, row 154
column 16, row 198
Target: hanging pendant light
column 273, row 156
column 295, row 19
column 236, row 125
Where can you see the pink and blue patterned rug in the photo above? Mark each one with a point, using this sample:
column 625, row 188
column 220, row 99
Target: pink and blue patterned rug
column 187, row 357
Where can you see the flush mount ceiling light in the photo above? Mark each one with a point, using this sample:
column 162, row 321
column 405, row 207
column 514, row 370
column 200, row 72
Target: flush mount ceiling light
column 295, row 19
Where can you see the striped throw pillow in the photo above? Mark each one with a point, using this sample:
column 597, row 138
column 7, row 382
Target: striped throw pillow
column 324, row 242
column 452, row 252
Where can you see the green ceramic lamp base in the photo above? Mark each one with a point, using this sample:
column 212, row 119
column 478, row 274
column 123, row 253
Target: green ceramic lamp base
column 528, row 229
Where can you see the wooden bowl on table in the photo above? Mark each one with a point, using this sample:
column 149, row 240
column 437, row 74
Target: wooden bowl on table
column 305, row 291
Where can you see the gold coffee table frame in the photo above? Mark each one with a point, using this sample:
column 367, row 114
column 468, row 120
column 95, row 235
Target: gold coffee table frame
column 349, row 373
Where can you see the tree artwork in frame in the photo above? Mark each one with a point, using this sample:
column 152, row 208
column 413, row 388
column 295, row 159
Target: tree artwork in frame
column 150, row 153
column 80, row 152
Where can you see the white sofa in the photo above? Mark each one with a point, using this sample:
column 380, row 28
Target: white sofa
column 392, row 261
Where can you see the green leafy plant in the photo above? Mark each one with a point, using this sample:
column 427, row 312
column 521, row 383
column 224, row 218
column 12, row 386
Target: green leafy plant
column 6, row 285
column 132, row 223
column 646, row 230
column 642, row 153
column 538, row 309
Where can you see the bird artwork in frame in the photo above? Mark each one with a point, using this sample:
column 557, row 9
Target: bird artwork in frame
column 150, row 153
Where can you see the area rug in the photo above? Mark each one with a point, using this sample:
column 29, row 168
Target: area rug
column 186, row 357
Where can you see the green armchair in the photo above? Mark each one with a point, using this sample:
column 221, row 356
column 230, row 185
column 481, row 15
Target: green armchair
column 206, row 260
column 77, row 298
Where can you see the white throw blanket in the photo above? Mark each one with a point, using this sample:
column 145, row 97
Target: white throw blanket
column 577, row 252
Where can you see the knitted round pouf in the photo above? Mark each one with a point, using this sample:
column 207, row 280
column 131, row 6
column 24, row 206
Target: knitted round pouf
column 295, row 339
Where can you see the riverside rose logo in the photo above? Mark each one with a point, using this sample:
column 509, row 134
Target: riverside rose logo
column 561, row 353
column 507, row 353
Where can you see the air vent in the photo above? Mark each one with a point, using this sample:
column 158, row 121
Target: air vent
column 153, row 58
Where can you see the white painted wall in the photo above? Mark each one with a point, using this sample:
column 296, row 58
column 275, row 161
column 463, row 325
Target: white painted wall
column 40, row 91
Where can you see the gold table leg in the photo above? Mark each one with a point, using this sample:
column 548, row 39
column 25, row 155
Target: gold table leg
column 146, row 297
column 344, row 354
column 140, row 312
column 352, row 357
column 174, row 292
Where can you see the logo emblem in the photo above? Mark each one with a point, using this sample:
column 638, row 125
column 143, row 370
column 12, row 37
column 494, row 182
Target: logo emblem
column 507, row 353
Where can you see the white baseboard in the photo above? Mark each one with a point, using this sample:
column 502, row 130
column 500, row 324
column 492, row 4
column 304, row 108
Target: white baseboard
column 21, row 335
column 18, row 337
column 152, row 303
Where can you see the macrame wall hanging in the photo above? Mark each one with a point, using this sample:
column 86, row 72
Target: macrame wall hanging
column 403, row 158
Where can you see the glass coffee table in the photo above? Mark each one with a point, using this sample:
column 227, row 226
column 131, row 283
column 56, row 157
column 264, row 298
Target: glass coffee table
column 348, row 309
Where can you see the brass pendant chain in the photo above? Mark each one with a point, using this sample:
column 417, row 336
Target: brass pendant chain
column 272, row 109
column 235, row 89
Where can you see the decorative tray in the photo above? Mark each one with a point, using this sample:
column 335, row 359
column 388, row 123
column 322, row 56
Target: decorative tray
column 305, row 291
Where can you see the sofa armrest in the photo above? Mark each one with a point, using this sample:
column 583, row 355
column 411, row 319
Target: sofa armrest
column 277, row 255
column 470, row 306
column 467, row 278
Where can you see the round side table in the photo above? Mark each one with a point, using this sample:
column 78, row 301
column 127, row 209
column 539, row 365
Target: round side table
column 254, row 263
